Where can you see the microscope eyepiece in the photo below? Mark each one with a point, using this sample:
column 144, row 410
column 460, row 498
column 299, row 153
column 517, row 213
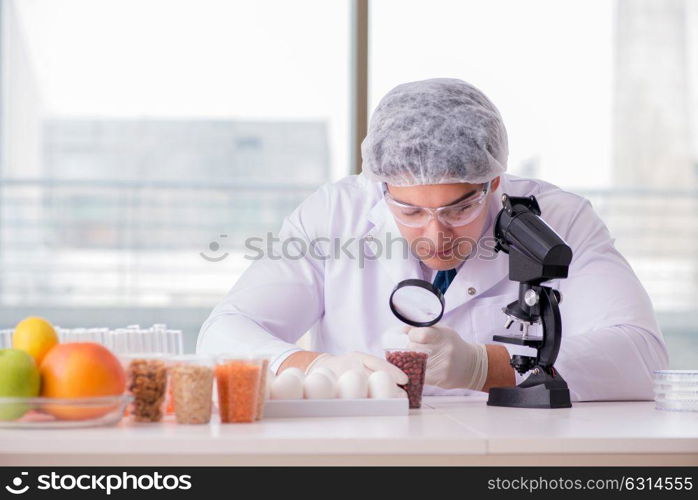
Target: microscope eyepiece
column 535, row 250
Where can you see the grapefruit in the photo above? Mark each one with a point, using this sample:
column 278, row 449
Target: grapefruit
column 80, row 370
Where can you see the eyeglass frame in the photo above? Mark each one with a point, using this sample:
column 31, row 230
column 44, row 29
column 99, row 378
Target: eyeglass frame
column 434, row 212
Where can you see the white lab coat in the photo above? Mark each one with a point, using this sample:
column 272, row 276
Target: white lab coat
column 611, row 341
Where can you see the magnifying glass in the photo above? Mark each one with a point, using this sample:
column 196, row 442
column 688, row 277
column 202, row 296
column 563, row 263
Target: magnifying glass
column 417, row 303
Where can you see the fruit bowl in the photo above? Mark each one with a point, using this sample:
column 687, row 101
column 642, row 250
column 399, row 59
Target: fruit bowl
column 62, row 413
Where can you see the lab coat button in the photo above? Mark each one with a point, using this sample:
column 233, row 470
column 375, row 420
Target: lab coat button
column 471, row 291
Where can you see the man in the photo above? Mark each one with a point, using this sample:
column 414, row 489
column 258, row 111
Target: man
column 434, row 163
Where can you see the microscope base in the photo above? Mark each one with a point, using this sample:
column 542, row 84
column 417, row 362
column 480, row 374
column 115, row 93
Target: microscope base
column 537, row 391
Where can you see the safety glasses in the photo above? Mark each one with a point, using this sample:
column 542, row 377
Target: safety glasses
column 456, row 215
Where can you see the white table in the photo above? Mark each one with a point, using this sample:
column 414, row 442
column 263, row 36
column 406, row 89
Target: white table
column 446, row 431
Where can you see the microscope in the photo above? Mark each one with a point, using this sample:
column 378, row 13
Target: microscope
column 536, row 254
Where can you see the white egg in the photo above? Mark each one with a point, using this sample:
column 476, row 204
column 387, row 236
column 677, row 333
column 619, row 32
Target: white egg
column 318, row 386
column 382, row 386
column 353, row 384
column 295, row 371
column 327, row 372
column 286, row 386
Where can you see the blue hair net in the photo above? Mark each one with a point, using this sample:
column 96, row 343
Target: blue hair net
column 435, row 131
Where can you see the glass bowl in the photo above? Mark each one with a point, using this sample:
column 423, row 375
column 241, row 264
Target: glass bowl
column 62, row 413
column 683, row 377
column 676, row 404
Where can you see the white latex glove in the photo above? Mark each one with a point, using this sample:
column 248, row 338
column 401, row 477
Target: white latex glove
column 357, row 361
column 452, row 362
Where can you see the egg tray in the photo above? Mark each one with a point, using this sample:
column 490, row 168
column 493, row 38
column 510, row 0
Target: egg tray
column 294, row 408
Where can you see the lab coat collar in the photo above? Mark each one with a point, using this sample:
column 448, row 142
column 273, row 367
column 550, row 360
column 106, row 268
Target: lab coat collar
column 478, row 273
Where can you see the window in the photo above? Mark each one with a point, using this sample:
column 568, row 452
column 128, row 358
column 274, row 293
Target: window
column 141, row 141
column 137, row 137
column 599, row 97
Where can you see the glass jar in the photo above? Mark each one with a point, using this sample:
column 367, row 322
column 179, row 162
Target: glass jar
column 238, row 381
column 191, row 382
column 413, row 362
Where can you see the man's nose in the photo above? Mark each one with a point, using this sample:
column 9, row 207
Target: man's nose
column 437, row 232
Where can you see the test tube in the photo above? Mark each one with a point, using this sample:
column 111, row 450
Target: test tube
column 6, row 338
column 178, row 341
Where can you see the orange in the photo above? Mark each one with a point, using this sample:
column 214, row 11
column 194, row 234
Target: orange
column 80, row 370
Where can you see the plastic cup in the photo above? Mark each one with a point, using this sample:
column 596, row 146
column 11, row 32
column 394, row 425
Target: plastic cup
column 238, row 382
column 261, row 396
column 414, row 363
column 191, row 382
column 147, row 383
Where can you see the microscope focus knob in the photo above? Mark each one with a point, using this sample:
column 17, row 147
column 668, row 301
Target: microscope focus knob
column 531, row 297
column 522, row 364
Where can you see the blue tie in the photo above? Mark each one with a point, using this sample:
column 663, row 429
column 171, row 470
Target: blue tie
column 444, row 279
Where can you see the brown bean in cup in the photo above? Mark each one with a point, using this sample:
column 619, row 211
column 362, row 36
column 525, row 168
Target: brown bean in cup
column 414, row 364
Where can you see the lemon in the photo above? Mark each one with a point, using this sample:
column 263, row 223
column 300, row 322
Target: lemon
column 35, row 336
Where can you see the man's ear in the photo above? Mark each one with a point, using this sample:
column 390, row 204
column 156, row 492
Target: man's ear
column 495, row 183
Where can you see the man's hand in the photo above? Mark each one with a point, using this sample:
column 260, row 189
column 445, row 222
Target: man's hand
column 453, row 362
column 357, row 361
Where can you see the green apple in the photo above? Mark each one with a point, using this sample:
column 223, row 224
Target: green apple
column 19, row 377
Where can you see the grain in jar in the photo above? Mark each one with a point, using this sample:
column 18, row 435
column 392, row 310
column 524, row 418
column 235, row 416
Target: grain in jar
column 191, row 381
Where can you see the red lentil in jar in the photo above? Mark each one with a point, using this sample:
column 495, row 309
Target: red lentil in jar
column 238, row 389
column 414, row 364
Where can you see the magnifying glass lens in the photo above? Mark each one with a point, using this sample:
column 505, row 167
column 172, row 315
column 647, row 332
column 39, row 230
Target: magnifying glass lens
column 417, row 302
